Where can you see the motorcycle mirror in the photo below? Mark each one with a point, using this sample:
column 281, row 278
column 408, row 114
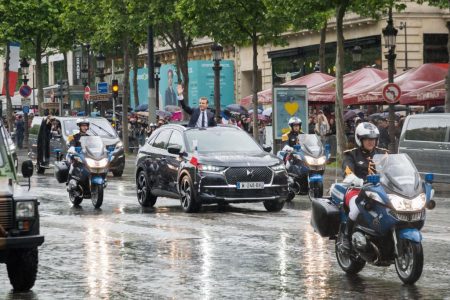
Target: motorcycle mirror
column 429, row 177
column 374, row 179
column 297, row 148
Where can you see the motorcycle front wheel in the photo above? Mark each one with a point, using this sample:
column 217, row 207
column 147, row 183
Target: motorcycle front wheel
column 97, row 195
column 75, row 200
column 409, row 265
column 316, row 190
column 347, row 261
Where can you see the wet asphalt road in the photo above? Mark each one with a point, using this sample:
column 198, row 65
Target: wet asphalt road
column 236, row 252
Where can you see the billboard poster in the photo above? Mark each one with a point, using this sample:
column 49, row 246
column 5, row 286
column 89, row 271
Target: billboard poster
column 289, row 101
column 201, row 83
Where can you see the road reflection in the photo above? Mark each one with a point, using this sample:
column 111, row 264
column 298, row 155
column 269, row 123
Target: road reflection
column 206, row 255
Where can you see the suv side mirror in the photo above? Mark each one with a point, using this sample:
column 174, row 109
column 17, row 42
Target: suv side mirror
column 267, row 148
column 174, row 149
column 27, row 168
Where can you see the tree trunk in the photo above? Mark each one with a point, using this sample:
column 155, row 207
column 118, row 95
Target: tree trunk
column 9, row 110
column 447, row 79
column 126, row 95
column 134, row 57
column 182, row 66
column 255, row 86
column 341, row 139
column 39, row 79
column 323, row 37
column 66, row 75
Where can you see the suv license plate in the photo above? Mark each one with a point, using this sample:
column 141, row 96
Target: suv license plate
column 250, row 185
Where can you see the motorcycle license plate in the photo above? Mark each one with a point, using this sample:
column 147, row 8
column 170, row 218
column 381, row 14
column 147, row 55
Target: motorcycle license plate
column 250, row 185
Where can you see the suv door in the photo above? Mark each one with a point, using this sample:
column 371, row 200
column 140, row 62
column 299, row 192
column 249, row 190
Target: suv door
column 425, row 140
column 174, row 160
column 159, row 159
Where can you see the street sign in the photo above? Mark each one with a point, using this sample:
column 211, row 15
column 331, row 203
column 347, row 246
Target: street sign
column 26, row 102
column 101, row 97
column 87, row 93
column 26, row 109
column 102, row 88
column 391, row 92
column 25, row 91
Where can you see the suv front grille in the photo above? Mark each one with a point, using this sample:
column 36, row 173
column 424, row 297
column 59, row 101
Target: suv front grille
column 409, row 217
column 250, row 174
column 6, row 213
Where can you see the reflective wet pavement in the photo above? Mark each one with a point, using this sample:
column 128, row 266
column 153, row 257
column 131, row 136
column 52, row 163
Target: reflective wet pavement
column 234, row 252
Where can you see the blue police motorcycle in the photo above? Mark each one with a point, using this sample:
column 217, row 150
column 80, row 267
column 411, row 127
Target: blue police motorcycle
column 88, row 177
column 392, row 207
column 305, row 165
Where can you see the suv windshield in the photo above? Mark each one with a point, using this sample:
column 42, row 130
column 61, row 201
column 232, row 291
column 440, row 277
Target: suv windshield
column 221, row 140
column 100, row 127
column 6, row 163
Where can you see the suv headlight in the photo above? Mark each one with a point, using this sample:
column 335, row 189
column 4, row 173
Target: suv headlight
column 279, row 167
column 210, row 168
column 403, row 204
column 102, row 163
column 25, row 209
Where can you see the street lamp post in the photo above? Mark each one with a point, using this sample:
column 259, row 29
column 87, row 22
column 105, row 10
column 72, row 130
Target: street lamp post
column 84, row 77
column 217, row 51
column 390, row 35
column 101, row 68
column 356, row 56
column 157, row 68
column 403, row 27
column 24, row 66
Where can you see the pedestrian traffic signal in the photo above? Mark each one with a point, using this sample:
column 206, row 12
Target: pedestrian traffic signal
column 115, row 88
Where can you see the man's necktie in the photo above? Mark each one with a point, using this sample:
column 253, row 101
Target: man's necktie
column 203, row 119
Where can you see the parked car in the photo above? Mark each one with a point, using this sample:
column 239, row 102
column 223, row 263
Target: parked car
column 59, row 144
column 426, row 139
column 19, row 222
column 220, row 164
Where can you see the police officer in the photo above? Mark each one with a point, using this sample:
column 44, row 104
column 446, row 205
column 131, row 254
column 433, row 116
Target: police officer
column 83, row 125
column 291, row 137
column 357, row 165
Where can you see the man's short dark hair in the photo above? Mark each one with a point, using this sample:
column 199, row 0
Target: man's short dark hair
column 203, row 98
column 170, row 72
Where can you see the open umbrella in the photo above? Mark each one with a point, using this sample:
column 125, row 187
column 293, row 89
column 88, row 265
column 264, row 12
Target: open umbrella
column 267, row 112
column 351, row 114
column 259, row 111
column 163, row 113
column 172, row 108
column 236, row 108
column 141, row 107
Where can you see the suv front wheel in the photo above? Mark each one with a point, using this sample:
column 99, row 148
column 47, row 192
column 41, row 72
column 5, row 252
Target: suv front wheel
column 22, row 266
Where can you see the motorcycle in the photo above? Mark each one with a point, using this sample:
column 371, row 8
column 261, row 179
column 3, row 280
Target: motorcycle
column 90, row 167
column 392, row 210
column 305, row 165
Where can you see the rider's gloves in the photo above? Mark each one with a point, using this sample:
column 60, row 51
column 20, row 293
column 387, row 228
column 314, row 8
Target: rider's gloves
column 354, row 180
column 287, row 148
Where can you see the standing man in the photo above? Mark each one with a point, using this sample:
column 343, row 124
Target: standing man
column 201, row 116
column 170, row 97
column 20, row 129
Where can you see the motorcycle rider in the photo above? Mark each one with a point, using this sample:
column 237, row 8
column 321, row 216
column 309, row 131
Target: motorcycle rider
column 357, row 165
column 291, row 137
column 74, row 141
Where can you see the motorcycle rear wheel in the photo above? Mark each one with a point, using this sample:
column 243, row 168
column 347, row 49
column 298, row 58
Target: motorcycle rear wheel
column 409, row 266
column 348, row 263
column 97, row 195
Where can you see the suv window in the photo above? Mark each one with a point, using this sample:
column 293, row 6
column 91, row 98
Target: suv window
column 424, row 129
column 176, row 139
column 162, row 140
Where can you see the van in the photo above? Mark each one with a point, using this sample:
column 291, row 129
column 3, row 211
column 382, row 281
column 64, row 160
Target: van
column 426, row 139
column 67, row 126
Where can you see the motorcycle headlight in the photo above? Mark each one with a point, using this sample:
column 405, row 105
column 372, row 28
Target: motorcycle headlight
column 310, row 160
column 92, row 163
column 321, row 160
column 119, row 145
column 25, row 209
column 210, row 168
column 279, row 167
column 403, row 204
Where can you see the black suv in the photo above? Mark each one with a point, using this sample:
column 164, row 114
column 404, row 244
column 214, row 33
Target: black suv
column 220, row 164
column 19, row 222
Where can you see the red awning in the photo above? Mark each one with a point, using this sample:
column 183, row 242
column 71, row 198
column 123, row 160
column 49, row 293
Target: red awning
column 353, row 81
column 409, row 81
column 431, row 94
column 310, row 80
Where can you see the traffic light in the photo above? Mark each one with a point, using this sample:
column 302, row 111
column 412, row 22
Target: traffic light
column 115, row 88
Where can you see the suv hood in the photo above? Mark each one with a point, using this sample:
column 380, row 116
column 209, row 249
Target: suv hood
column 260, row 159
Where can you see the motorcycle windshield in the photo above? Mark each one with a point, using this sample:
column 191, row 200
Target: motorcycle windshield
column 311, row 144
column 93, row 146
column 398, row 174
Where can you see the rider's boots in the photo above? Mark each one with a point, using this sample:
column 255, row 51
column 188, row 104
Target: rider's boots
column 347, row 236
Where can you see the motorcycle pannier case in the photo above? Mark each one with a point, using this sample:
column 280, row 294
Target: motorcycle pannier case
column 61, row 171
column 325, row 217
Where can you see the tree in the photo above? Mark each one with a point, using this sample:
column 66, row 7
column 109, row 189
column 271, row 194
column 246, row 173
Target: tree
column 237, row 22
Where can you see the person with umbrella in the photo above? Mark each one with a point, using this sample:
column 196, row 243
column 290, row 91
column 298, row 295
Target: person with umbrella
column 200, row 116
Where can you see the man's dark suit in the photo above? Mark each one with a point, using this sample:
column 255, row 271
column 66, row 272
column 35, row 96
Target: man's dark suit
column 170, row 97
column 195, row 114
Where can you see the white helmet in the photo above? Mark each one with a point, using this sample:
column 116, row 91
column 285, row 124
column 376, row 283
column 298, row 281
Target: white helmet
column 295, row 121
column 82, row 121
column 366, row 130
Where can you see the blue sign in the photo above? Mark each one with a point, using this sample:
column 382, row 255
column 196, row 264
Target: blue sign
column 26, row 109
column 102, row 88
column 201, row 83
column 289, row 101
